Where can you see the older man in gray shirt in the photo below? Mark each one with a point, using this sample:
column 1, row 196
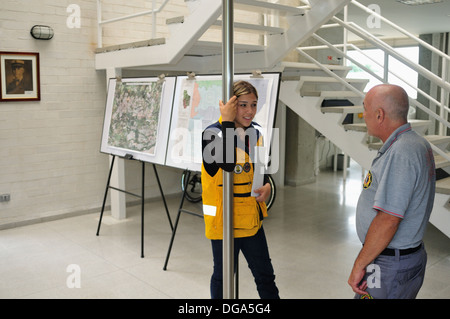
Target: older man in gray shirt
column 396, row 202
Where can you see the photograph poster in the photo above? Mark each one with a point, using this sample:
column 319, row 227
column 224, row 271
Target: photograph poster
column 19, row 77
column 137, row 118
column 196, row 106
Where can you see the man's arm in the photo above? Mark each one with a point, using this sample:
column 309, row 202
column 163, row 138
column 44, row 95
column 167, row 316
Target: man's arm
column 380, row 233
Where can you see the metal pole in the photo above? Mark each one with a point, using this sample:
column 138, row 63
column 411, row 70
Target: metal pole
column 227, row 93
column 153, row 20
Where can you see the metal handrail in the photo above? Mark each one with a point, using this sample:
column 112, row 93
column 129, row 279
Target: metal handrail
column 391, row 51
column 441, row 82
column 405, row 32
column 354, row 47
column 153, row 12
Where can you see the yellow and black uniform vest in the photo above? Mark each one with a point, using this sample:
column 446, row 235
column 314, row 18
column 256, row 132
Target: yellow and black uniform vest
column 248, row 213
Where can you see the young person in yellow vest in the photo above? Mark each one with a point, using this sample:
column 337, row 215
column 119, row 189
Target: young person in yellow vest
column 229, row 145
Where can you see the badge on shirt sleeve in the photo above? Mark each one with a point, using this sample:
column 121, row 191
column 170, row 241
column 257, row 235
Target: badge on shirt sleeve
column 367, row 180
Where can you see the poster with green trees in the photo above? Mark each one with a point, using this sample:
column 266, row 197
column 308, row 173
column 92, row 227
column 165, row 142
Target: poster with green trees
column 137, row 118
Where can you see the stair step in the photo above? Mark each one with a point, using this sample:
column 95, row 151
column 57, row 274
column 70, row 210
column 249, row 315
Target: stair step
column 328, row 79
column 432, row 139
column 269, row 8
column 251, row 28
column 443, row 186
column 209, row 48
column 438, row 139
column 313, row 85
column 175, row 20
column 138, row 44
column 343, row 109
column 361, row 127
column 293, row 71
column 441, row 161
column 338, row 94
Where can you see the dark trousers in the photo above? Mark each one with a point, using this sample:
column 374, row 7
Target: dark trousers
column 399, row 277
column 256, row 253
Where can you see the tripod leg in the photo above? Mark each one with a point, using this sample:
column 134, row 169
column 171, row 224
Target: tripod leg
column 142, row 210
column 236, row 279
column 176, row 223
column 106, row 194
column 163, row 197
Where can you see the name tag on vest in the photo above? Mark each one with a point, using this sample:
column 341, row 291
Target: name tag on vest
column 209, row 210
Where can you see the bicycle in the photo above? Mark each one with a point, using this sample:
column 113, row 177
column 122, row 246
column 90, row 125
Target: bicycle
column 194, row 189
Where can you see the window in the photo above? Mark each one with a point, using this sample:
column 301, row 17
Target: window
column 373, row 60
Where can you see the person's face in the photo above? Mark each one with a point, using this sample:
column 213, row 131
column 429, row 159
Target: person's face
column 17, row 71
column 246, row 110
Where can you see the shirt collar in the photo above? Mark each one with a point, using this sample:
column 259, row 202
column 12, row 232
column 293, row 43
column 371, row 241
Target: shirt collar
column 394, row 136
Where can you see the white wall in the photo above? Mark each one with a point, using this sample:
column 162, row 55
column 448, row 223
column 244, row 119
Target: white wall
column 50, row 162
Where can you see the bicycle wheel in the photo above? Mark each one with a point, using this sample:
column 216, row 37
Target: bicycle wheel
column 271, row 199
column 194, row 187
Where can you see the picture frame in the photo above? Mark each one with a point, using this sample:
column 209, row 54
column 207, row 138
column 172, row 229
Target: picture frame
column 196, row 105
column 137, row 118
column 19, row 76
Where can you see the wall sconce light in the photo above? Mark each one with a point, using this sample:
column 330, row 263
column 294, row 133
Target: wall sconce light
column 42, row 32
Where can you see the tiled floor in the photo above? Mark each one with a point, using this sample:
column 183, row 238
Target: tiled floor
column 311, row 238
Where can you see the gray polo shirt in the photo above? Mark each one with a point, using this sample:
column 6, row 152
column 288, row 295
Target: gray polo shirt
column 401, row 182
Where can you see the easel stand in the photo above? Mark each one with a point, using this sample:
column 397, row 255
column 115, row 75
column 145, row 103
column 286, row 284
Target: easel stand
column 180, row 210
column 141, row 196
column 174, row 230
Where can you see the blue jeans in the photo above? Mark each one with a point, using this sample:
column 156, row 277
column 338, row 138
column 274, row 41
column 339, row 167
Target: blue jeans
column 256, row 253
column 396, row 277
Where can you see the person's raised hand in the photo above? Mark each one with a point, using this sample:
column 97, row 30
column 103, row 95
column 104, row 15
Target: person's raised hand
column 228, row 110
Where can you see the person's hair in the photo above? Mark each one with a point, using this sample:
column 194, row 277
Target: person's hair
column 243, row 88
column 399, row 105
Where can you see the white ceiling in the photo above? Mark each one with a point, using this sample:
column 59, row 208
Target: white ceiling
column 417, row 19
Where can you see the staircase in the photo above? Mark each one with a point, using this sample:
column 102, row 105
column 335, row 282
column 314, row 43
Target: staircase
column 306, row 87
column 183, row 50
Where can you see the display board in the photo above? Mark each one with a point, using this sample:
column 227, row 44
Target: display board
column 196, row 105
column 137, row 118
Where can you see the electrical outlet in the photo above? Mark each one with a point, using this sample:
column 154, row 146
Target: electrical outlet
column 5, row 198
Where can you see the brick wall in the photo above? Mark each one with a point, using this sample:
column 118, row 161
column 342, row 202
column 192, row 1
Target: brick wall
column 49, row 150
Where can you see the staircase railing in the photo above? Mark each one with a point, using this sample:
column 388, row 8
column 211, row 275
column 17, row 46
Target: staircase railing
column 154, row 12
column 342, row 50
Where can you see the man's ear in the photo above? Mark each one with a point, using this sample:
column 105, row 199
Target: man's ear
column 380, row 114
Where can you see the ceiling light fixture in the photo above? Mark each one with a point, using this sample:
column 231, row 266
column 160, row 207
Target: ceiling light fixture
column 415, row 2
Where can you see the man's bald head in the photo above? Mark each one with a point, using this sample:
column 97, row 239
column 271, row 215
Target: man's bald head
column 393, row 99
column 385, row 109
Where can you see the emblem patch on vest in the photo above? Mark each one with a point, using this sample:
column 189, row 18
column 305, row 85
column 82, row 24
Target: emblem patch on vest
column 247, row 167
column 238, row 169
column 367, row 180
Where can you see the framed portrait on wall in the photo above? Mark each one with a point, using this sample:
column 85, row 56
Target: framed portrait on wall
column 19, row 76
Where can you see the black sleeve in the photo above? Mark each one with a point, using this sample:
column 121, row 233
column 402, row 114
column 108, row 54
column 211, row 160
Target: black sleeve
column 216, row 149
column 266, row 179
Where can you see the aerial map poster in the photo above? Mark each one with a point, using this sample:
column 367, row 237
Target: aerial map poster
column 137, row 118
column 196, row 105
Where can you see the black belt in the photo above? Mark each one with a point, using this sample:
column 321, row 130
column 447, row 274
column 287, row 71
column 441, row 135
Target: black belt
column 403, row 252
